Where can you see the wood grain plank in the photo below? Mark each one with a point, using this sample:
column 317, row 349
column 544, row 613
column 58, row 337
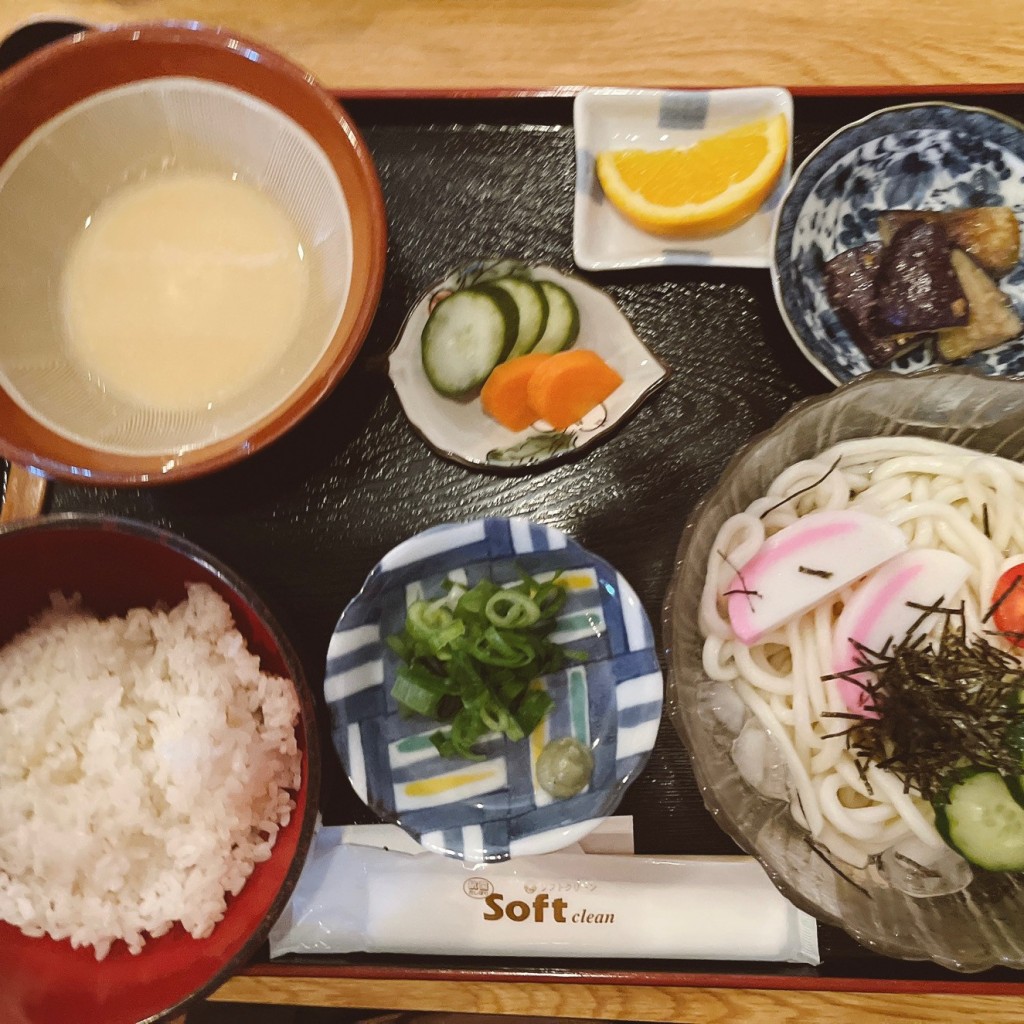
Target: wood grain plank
column 417, row 44
column 627, row 1002
column 24, row 495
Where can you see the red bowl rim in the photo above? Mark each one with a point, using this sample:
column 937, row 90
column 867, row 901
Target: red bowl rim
column 307, row 712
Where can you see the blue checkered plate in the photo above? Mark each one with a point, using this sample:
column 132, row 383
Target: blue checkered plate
column 494, row 809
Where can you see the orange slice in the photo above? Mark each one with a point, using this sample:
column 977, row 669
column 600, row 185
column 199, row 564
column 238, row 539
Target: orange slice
column 704, row 189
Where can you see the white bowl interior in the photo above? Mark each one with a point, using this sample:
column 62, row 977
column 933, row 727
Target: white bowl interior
column 59, row 176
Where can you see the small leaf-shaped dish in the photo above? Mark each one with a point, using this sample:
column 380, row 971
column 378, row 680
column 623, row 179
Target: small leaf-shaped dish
column 460, row 430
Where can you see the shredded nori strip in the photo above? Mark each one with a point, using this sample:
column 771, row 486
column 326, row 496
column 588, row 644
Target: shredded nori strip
column 910, row 862
column 940, row 706
column 996, row 604
column 822, row 573
column 803, row 490
column 743, row 588
column 815, row 849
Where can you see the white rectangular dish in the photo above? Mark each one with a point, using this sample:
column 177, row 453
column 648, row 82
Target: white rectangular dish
column 609, row 118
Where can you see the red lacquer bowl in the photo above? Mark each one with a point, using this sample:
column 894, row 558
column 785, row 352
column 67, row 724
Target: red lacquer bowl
column 115, row 565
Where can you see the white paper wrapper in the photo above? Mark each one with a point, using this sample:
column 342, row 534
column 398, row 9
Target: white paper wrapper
column 372, row 889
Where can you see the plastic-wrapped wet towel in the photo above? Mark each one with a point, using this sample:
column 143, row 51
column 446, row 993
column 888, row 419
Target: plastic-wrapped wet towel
column 372, row 889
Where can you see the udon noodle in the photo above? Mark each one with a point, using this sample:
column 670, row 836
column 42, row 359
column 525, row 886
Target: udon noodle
column 940, row 496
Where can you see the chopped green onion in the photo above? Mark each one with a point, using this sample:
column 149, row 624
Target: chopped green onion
column 474, row 601
column 511, row 609
column 468, row 660
column 533, row 710
column 425, row 618
column 496, row 647
column 418, row 690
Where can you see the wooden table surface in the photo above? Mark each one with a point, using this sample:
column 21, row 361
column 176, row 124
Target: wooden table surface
column 444, row 44
column 438, row 45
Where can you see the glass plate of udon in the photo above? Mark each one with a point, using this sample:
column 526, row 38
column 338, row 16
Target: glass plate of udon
column 866, row 859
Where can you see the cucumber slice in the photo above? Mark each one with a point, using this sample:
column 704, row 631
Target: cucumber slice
column 465, row 337
column 502, row 268
column 1015, row 784
column 563, row 324
column 532, row 307
column 981, row 821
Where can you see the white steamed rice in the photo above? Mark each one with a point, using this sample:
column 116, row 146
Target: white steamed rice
column 146, row 765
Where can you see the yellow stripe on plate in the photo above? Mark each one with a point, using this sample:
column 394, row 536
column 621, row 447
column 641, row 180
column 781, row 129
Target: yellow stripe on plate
column 442, row 783
column 571, row 579
column 450, row 787
column 539, row 739
column 586, row 580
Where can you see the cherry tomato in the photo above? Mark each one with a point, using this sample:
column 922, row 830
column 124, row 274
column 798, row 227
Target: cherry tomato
column 1009, row 596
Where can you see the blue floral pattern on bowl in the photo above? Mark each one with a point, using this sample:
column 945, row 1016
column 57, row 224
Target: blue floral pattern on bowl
column 493, row 809
column 927, row 156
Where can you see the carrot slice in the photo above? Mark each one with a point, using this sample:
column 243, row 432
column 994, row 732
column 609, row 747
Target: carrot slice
column 504, row 392
column 566, row 387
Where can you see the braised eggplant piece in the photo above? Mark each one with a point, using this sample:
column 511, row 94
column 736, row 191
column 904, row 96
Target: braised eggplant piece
column 993, row 319
column 916, row 287
column 850, row 283
column 850, row 286
column 988, row 234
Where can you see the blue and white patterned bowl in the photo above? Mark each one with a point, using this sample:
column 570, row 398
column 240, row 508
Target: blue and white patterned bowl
column 927, row 156
column 493, row 809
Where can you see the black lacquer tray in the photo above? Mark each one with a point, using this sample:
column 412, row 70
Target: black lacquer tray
column 307, row 519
